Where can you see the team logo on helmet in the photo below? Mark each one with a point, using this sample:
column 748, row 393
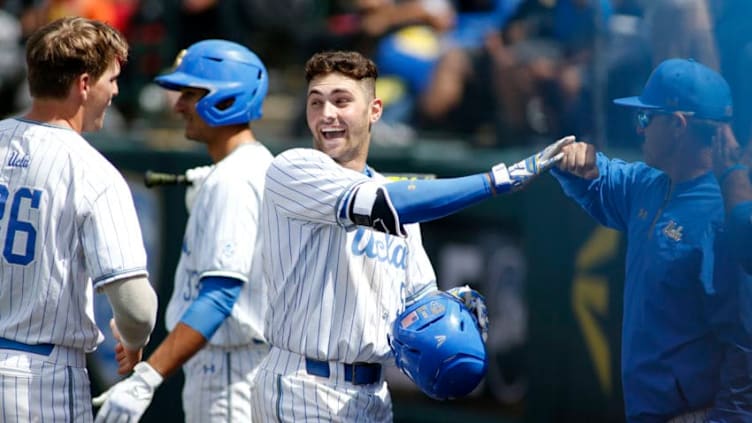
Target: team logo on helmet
column 179, row 58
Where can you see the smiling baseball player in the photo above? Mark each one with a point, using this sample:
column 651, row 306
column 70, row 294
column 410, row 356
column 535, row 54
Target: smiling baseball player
column 344, row 254
column 67, row 225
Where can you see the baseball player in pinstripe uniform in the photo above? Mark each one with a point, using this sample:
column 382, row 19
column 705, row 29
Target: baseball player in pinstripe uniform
column 215, row 314
column 344, row 253
column 68, row 226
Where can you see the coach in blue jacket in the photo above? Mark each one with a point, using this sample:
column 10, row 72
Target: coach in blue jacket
column 686, row 353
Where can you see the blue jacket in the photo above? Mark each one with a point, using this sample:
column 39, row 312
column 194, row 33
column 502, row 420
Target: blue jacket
column 681, row 324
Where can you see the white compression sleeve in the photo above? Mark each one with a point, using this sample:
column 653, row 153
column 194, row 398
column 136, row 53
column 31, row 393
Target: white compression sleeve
column 134, row 307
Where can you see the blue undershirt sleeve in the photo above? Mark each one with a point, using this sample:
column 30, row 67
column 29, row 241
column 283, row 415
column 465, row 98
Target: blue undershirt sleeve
column 214, row 303
column 425, row 200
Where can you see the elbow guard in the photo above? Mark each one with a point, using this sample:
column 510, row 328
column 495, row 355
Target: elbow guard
column 369, row 205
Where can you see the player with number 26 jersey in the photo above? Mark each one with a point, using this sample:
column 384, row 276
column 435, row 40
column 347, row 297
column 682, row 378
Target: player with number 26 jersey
column 63, row 208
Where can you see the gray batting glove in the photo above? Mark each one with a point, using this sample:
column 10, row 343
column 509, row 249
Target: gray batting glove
column 196, row 177
column 476, row 303
column 514, row 178
column 127, row 400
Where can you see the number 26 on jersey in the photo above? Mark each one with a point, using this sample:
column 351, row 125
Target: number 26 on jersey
column 19, row 236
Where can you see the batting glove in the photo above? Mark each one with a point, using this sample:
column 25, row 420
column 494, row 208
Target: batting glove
column 514, row 178
column 127, row 400
column 196, row 177
column 476, row 303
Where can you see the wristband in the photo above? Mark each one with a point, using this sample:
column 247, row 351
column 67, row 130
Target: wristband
column 730, row 170
column 148, row 374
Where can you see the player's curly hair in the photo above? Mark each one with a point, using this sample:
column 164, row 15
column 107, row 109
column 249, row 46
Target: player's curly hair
column 349, row 63
column 62, row 50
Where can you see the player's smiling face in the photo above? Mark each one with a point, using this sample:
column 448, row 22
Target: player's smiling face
column 195, row 127
column 99, row 97
column 340, row 112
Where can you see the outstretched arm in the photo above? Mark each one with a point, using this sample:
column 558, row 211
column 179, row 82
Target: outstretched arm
column 387, row 207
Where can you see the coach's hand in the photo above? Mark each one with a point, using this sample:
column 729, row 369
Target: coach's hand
column 578, row 158
column 476, row 303
column 128, row 399
column 516, row 176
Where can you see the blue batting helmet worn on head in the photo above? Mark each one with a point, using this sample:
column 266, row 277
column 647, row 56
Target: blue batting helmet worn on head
column 231, row 73
column 685, row 85
column 437, row 343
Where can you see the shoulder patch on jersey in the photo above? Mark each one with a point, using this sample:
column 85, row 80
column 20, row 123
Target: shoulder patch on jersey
column 229, row 249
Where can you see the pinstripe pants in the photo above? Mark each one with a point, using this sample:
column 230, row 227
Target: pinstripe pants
column 284, row 392
column 42, row 388
column 217, row 386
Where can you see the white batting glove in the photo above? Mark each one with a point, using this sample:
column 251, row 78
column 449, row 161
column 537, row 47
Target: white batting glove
column 515, row 177
column 127, row 400
column 476, row 303
column 196, row 176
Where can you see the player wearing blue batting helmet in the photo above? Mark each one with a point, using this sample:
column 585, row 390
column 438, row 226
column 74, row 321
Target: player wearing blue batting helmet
column 437, row 343
column 235, row 77
column 215, row 334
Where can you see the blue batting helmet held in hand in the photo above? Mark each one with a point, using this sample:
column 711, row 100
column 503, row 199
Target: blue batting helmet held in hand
column 437, row 343
column 231, row 73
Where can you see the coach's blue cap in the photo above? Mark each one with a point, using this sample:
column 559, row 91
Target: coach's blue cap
column 685, row 85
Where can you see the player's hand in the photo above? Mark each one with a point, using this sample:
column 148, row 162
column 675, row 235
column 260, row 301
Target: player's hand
column 578, row 158
column 126, row 358
column 516, row 176
column 476, row 303
column 196, row 176
column 128, row 399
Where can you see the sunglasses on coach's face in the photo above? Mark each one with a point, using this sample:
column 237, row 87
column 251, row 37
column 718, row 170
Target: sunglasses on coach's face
column 644, row 117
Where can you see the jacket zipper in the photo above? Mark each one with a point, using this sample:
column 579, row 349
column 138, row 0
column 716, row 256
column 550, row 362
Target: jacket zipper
column 660, row 210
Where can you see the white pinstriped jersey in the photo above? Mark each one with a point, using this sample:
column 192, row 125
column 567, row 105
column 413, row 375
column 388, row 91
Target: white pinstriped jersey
column 334, row 289
column 66, row 219
column 221, row 240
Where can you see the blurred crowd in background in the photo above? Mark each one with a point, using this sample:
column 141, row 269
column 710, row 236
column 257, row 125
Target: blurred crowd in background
column 490, row 73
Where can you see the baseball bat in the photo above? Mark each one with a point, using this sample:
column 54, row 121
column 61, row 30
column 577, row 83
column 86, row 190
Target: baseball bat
column 153, row 179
